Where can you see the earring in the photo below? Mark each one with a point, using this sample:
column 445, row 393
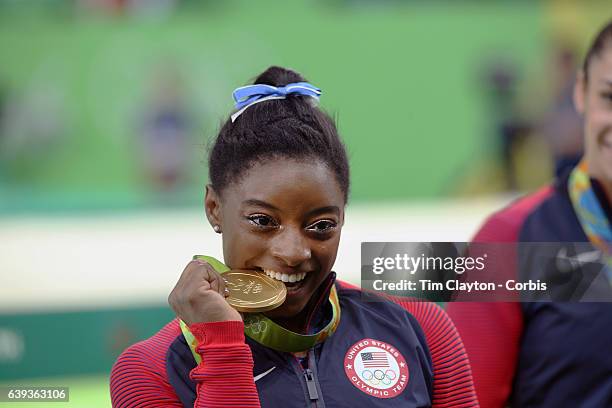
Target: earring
column 217, row 229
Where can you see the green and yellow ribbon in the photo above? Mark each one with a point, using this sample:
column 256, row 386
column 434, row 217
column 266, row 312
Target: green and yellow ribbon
column 590, row 213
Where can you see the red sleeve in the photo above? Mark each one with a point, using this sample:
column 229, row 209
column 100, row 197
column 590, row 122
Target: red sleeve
column 453, row 385
column 138, row 377
column 224, row 378
column 491, row 332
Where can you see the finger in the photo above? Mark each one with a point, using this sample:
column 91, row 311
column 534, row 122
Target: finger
column 217, row 281
column 204, row 271
column 191, row 274
column 219, row 284
column 213, row 278
column 223, row 284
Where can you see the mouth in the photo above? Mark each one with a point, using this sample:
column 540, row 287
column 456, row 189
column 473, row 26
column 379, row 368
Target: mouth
column 291, row 280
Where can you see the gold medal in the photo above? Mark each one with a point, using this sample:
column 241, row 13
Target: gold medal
column 252, row 291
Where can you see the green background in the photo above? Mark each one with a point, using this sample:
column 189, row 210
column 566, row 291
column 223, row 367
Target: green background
column 403, row 80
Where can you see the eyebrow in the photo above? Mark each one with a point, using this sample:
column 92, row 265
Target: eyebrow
column 321, row 210
column 607, row 81
column 258, row 203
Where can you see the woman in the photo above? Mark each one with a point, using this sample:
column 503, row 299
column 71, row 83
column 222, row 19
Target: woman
column 279, row 186
column 555, row 354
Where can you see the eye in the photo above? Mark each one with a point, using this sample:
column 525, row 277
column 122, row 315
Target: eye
column 262, row 221
column 607, row 96
column 322, row 226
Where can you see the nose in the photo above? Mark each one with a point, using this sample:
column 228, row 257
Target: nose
column 291, row 247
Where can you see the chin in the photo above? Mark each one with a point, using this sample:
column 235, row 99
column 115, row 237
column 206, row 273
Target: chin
column 286, row 310
column 605, row 169
column 607, row 173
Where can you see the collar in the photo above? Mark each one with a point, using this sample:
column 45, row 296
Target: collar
column 590, row 209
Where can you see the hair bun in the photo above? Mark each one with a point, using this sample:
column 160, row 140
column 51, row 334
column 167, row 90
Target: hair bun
column 278, row 76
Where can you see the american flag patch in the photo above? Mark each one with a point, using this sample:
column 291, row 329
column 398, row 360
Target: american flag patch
column 375, row 359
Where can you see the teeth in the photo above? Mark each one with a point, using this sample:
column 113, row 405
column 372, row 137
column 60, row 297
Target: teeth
column 283, row 277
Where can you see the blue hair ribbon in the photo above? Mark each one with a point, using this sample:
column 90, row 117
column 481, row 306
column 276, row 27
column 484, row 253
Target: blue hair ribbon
column 246, row 96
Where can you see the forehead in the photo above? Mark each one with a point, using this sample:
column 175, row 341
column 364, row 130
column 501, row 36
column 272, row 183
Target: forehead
column 600, row 67
column 289, row 183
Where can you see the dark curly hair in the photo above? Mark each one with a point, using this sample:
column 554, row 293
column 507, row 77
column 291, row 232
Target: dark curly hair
column 280, row 128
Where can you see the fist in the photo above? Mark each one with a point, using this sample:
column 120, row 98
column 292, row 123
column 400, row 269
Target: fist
column 199, row 295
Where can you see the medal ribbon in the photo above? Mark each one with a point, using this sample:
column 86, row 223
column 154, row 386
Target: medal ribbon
column 590, row 213
column 264, row 331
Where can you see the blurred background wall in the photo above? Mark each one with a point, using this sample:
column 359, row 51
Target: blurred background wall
column 448, row 109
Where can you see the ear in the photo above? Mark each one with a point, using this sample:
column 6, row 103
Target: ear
column 580, row 92
column 212, row 205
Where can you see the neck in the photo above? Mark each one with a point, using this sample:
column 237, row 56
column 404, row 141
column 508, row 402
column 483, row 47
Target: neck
column 300, row 322
column 604, row 182
column 297, row 323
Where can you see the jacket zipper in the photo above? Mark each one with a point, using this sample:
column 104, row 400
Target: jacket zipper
column 310, row 378
column 311, row 385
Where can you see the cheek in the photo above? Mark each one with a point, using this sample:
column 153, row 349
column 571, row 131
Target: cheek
column 598, row 112
column 600, row 119
column 598, row 122
column 240, row 245
column 326, row 251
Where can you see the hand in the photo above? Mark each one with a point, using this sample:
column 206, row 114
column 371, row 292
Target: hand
column 199, row 295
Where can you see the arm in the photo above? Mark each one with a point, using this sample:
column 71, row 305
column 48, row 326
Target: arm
column 491, row 333
column 453, row 385
column 138, row 377
column 223, row 379
column 225, row 376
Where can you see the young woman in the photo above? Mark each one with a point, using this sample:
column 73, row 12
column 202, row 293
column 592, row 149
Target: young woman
column 554, row 354
column 279, row 183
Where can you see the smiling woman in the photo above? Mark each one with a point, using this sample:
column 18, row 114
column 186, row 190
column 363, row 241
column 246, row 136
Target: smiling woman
column 548, row 354
column 279, row 186
column 288, row 229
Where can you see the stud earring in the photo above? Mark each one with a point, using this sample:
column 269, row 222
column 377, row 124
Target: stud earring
column 217, row 229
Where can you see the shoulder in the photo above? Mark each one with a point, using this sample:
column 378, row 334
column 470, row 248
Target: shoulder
column 434, row 321
column 152, row 350
column 143, row 365
column 505, row 224
column 383, row 306
column 429, row 317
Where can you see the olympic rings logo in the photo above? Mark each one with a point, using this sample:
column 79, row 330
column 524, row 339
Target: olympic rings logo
column 376, row 368
column 256, row 325
column 378, row 376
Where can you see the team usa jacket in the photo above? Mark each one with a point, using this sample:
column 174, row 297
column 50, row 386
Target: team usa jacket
column 382, row 354
column 540, row 354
